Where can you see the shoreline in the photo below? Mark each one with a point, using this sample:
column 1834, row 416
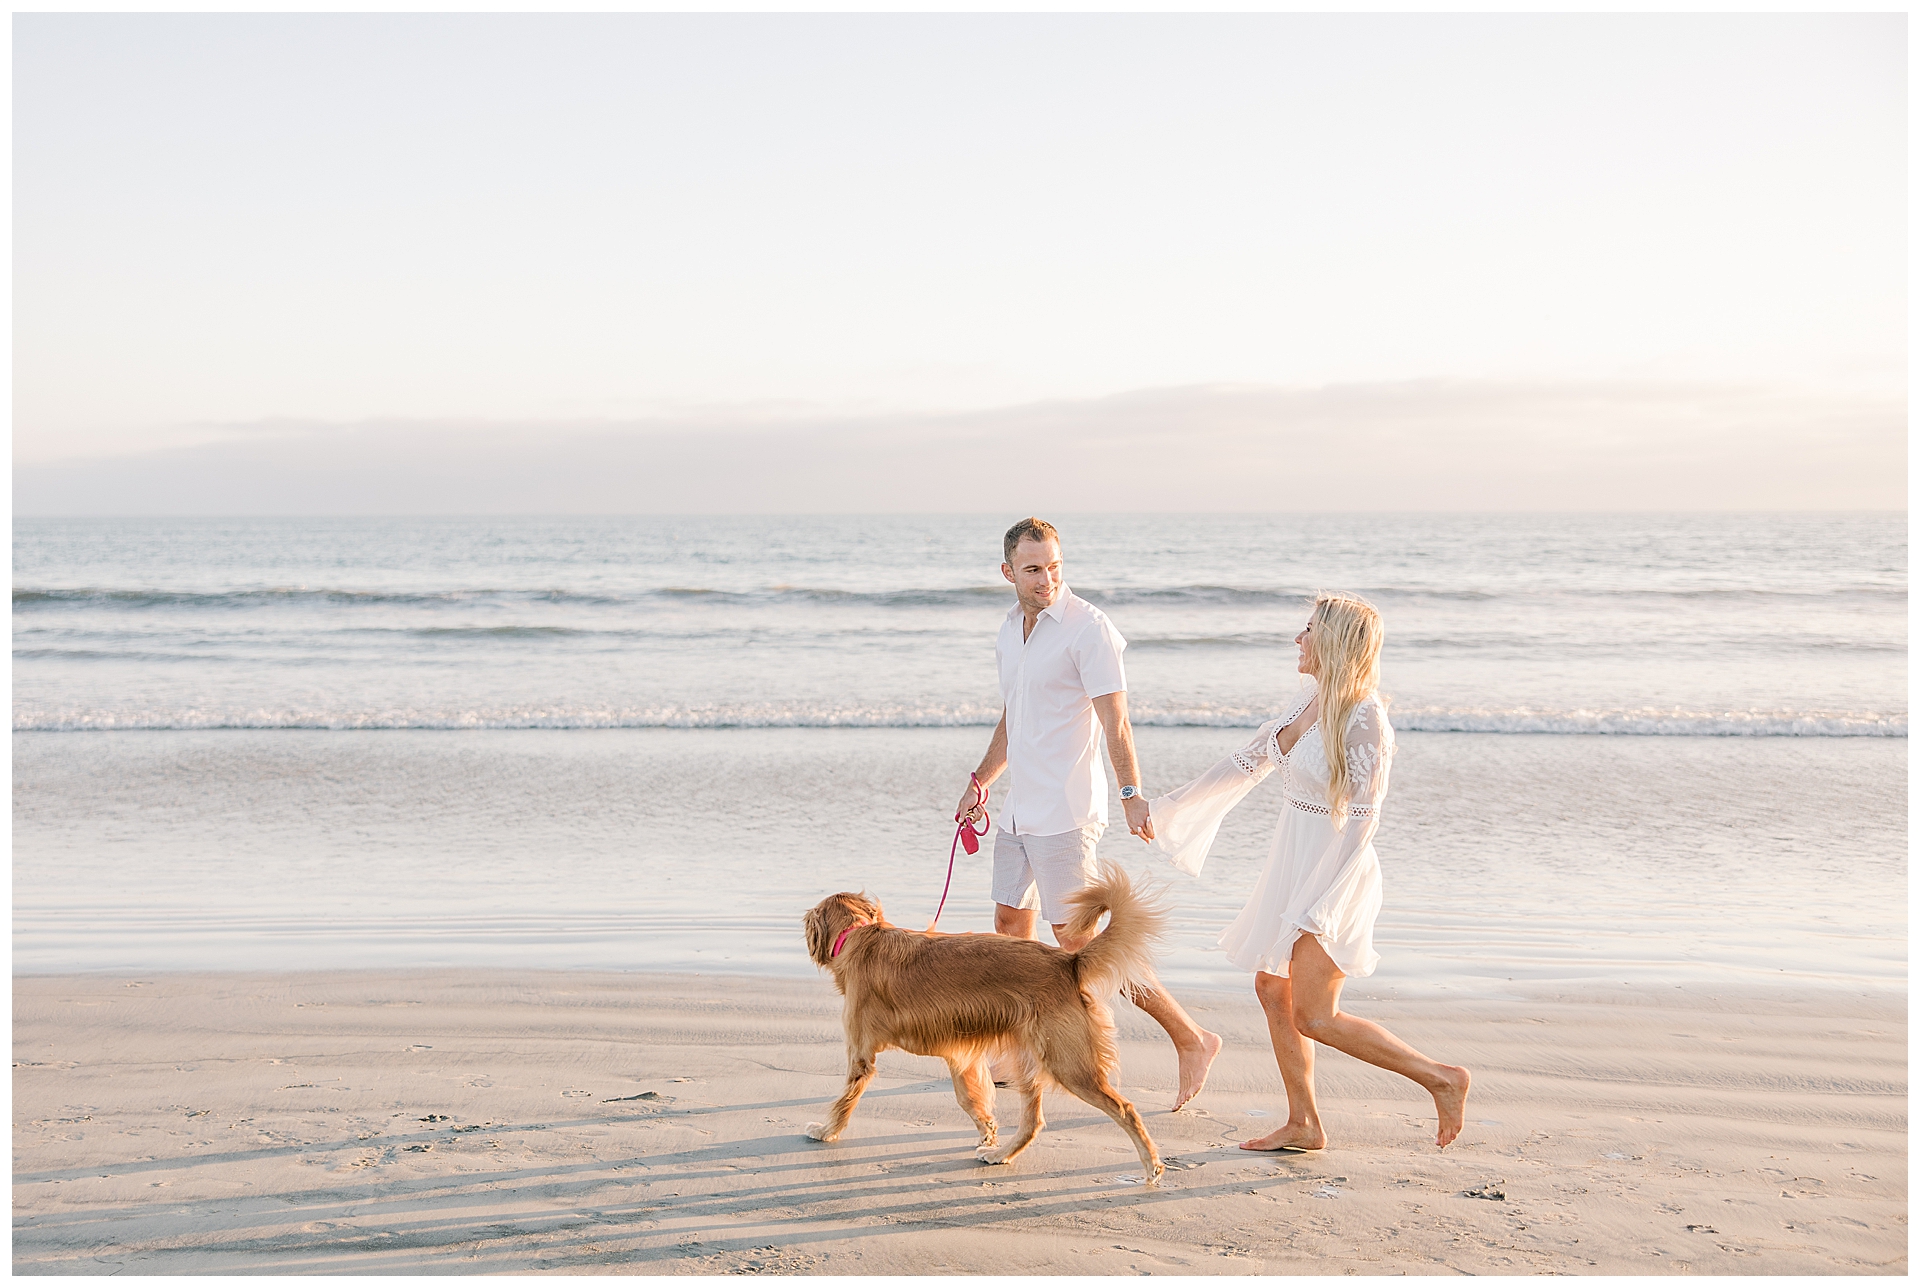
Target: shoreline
column 383, row 1120
column 1794, row 989
column 1694, row 860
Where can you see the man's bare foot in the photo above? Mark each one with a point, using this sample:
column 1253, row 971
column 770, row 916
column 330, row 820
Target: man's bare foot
column 1194, row 1064
column 1451, row 1102
column 1290, row 1137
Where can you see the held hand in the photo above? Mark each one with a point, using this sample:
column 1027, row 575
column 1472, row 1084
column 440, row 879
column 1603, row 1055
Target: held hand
column 1137, row 821
column 969, row 806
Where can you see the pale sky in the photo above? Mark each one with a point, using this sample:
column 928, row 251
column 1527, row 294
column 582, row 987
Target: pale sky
column 233, row 232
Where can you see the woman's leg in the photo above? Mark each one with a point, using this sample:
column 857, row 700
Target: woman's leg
column 1316, row 1014
column 1295, row 1056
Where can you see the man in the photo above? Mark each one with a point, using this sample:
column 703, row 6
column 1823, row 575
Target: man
column 1061, row 682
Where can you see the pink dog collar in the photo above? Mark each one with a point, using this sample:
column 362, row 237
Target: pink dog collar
column 843, row 937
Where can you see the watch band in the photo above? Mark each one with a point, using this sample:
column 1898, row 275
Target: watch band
column 1128, row 792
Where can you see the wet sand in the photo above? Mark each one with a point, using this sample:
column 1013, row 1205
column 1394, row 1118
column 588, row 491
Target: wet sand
column 515, row 1122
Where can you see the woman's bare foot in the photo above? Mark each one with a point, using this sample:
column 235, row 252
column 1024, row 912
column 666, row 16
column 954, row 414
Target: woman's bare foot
column 1291, row 1136
column 1450, row 1101
column 1194, row 1064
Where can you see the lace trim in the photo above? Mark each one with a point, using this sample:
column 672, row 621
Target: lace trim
column 1273, row 739
column 1357, row 811
column 1248, row 765
column 1294, row 713
column 1306, row 698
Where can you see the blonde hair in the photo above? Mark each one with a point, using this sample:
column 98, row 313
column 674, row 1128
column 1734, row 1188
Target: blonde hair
column 1345, row 645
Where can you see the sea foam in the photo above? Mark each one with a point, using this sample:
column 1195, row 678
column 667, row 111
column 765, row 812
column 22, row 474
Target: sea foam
column 1640, row 722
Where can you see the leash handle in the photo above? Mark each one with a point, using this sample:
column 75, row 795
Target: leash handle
column 965, row 834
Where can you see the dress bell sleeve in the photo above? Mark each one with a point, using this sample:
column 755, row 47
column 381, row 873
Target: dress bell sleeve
column 1369, row 761
column 1186, row 819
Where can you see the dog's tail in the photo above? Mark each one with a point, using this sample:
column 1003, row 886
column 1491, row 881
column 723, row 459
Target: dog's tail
column 1121, row 955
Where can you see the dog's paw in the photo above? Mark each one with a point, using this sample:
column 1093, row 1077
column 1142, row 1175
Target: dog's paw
column 990, row 1154
column 818, row 1131
column 1154, row 1173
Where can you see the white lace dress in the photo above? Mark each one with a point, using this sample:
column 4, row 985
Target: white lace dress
column 1322, row 877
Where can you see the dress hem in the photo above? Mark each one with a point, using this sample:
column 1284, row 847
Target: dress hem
column 1267, row 963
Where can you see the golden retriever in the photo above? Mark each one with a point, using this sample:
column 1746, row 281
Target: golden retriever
column 961, row 997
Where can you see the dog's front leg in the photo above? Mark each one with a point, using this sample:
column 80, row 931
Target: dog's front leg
column 860, row 1070
column 973, row 1088
column 1031, row 1122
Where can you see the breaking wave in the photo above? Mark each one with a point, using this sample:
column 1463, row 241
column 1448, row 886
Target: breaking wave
column 1639, row 722
column 29, row 598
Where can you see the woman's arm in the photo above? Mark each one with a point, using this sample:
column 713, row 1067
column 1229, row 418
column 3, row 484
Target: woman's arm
column 1187, row 818
column 1369, row 763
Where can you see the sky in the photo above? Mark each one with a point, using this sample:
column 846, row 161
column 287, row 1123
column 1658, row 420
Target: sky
column 500, row 263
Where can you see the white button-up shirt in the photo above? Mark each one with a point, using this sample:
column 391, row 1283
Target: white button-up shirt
column 1048, row 682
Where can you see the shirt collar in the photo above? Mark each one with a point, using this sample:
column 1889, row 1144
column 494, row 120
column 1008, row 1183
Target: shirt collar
column 1057, row 610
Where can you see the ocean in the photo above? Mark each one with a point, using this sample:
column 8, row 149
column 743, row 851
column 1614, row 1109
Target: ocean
column 1633, row 748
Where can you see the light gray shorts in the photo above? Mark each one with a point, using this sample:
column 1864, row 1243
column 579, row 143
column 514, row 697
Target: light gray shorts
column 1058, row 866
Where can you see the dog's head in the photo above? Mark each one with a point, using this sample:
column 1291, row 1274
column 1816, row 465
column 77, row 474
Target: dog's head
column 834, row 914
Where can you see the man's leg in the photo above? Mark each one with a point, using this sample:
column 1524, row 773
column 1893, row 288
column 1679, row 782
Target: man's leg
column 1020, row 923
column 1016, row 901
column 1195, row 1046
column 1066, row 864
column 1016, row 912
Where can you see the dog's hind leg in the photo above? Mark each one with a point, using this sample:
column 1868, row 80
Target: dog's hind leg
column 1089, row 1081
column 860, row 1070
column 1031, row 1121
column 973, row 1088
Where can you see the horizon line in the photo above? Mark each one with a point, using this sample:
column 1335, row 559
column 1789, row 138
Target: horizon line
column 972, row 514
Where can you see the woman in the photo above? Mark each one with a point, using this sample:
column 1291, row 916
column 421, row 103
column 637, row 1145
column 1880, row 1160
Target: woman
column 1309, row 924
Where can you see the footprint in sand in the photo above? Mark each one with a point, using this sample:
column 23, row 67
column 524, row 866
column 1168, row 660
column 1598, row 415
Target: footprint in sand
column 767, row 1260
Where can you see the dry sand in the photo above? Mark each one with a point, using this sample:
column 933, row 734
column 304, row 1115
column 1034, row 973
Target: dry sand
column 487, row 1121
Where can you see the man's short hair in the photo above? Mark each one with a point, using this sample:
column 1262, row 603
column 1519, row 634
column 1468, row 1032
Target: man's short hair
column 1028, row 529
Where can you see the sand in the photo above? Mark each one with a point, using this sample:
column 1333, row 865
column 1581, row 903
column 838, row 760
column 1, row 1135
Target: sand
column 472, row 1121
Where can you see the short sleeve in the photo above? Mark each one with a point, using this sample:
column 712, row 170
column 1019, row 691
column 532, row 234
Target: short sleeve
column 1096, row 652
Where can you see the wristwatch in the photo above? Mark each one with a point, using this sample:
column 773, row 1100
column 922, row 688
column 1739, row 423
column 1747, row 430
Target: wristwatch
column 1128, row 792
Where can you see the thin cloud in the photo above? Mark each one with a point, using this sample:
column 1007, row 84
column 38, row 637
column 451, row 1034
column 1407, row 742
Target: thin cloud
column 1395, row 446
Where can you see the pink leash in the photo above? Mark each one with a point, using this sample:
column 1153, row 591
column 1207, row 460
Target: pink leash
column 963, row 834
